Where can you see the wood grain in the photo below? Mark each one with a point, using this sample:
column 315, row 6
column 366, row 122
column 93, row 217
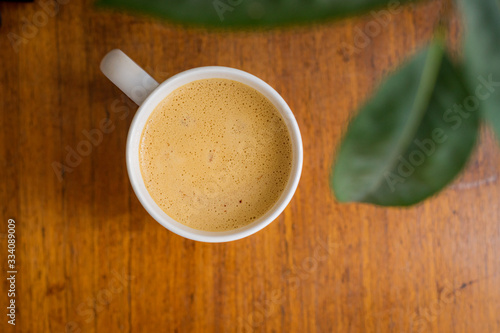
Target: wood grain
column 90, row 259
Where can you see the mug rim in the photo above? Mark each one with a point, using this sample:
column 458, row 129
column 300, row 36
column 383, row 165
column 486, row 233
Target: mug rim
column 152, row 207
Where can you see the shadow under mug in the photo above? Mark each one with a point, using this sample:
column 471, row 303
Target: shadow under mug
column 147, row 93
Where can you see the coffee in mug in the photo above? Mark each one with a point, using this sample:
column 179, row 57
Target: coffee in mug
column 215, row 154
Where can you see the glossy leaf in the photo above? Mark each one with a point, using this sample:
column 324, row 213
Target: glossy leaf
column 409, row 140
column 241, row 13
column 482, row 55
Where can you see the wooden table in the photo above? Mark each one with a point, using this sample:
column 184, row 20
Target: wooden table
column 90, row 259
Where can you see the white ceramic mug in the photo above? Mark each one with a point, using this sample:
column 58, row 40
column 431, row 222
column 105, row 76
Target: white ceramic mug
column 147, row 93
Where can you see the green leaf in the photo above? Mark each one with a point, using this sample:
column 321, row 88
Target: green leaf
column 411, row 138
column 241, row 13
column 482, row 55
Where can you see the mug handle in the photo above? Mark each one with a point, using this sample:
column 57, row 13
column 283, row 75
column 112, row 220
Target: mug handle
column 128, row 76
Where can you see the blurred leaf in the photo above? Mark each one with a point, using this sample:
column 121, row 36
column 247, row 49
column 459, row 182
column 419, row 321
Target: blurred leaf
column 232, row 13
column 482, row 55
column 409, row 140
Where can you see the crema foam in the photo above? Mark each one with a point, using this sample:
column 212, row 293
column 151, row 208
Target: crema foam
column 215, row 155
